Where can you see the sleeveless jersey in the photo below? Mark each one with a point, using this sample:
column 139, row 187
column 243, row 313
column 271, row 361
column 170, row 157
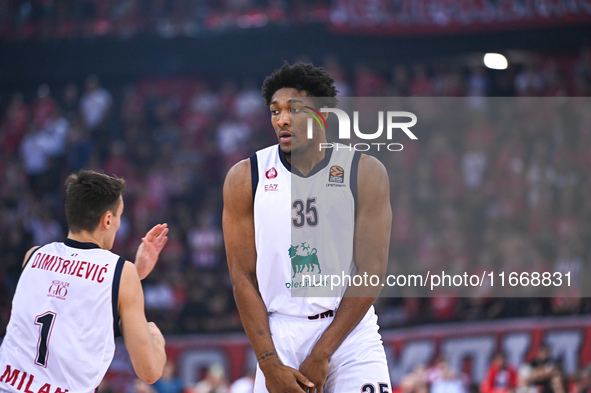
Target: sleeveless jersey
column 61, row 334
column 304, row 225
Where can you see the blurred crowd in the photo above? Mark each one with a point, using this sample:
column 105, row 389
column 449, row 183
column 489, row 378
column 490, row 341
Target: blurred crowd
column 543, row 374
column 212, row 379
column 65, row 19
column 498, row 197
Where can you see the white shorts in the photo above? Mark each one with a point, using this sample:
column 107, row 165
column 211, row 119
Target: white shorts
column 358, row 365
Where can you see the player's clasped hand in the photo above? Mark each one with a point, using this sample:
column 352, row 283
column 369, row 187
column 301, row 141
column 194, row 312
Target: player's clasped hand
column 280, row 378
column 148, row 252
column 316, row 369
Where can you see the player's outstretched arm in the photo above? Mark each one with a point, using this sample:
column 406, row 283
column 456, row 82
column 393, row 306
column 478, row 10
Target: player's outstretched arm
column 370, row 246
column 238, row 226
column 149, row 250
column 143, row 339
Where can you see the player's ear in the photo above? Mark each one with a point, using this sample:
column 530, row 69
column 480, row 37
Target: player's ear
column 326, row 115
column 107, row 219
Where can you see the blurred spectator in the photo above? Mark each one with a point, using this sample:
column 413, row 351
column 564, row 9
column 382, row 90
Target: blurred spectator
column 168, row 383
column 444, row 379
column 206, row 242
column 105, row 386
column 13, row 124
column 543, row 370
column 44, row 227
column 36, row 158
column 416, row 381
column 95, row 104
column 69, row 101
column 244, row 384
column 43, row 106
column 213, row 382
column 500, row 377
column 584, row 380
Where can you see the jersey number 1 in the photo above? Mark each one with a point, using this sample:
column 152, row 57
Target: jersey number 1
column 45, row 322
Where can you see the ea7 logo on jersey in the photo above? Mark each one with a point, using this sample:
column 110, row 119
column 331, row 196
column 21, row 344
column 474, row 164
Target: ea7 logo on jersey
column 336, row 175
column 271, row 173
column 271, row 187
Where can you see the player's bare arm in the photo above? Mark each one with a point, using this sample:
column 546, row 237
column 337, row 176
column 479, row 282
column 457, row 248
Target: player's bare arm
column 143, row 339
column 238, row 227
column 371, row 244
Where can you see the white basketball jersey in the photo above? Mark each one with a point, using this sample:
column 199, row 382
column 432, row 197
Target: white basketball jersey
column 60, row 337
column 304, row 225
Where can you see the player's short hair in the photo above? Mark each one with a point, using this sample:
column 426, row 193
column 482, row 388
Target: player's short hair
column 89, row 195
column 315, row 81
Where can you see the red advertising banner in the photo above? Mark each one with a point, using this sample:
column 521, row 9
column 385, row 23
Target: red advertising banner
column 402, row 17
column 468, row 347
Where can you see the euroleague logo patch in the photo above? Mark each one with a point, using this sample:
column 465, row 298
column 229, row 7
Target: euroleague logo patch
column 336, row 174
column 271, row 173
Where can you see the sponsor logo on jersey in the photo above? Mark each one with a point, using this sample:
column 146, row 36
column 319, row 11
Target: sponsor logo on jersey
column 271, row 187
column 58, row 289
column 303, row 256
column 271, row 173
column 336, row 174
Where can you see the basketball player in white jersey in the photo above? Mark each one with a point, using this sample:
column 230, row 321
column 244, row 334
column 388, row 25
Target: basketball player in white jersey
column 307, row 344
column 74, row 296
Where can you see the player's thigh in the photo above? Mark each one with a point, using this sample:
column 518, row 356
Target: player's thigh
column 359, row 365
column 360, row 376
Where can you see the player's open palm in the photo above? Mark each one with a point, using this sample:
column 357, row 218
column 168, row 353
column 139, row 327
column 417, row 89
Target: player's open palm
column 285, row 379
column 148, row 252
column 316, row 369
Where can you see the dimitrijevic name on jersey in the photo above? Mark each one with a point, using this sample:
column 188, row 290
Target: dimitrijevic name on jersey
column 86, row 270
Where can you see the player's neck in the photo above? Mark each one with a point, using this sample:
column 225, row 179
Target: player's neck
column 305, row 161
column 85, row 237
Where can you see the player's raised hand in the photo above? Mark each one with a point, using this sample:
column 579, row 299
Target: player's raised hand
column 148, row 252
column 316, row 369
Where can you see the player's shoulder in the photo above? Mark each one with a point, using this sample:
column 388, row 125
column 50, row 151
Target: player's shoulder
column 128, row 269
column 238, row 173
column 372, row 176
column 370, row 165
column 241, row 172
column 238, row 184
column 29, row 254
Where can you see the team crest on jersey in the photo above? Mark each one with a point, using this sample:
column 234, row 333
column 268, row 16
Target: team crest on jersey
column 271, row 173
column 303, row 256
column 336, row 174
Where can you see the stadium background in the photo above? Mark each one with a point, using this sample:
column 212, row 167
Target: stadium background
column 165, row 93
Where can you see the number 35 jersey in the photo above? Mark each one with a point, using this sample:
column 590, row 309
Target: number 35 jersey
column 61, row 333
column 304, row 227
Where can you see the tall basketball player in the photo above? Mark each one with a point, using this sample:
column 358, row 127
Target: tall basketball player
column 309, row 344
column 73, row 297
